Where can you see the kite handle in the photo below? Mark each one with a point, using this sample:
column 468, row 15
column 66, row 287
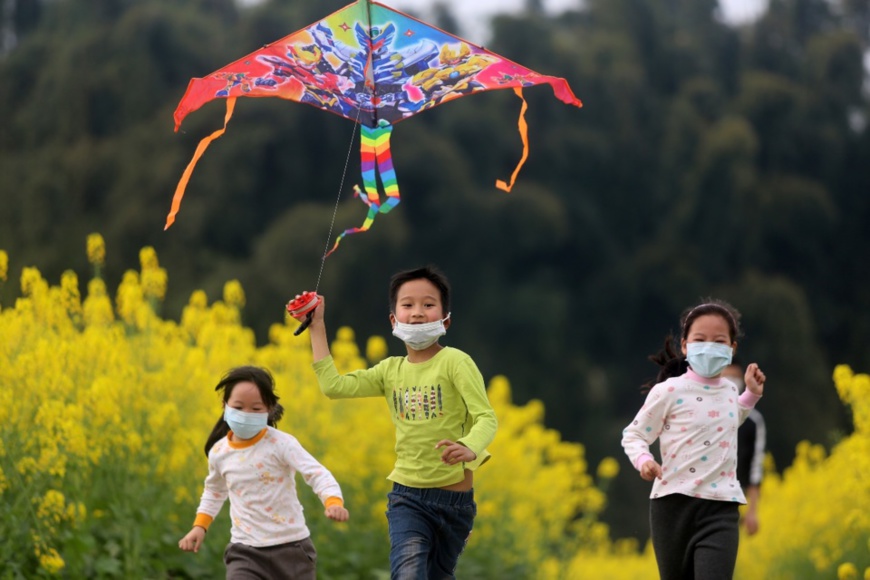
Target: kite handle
column 305, row 324
column 302, row 308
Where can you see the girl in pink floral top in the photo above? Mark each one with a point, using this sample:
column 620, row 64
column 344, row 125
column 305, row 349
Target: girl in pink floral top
column 695, row 413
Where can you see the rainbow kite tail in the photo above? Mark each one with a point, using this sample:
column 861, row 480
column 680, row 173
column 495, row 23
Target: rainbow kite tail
column 377, row 161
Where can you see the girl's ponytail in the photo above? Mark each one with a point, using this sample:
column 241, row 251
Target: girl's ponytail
column 221, row 429
column 671, row 361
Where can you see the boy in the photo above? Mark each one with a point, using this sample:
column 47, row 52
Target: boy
column 443, row 420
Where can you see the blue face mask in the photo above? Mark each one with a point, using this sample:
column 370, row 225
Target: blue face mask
column 708, row 359
column 245, row 425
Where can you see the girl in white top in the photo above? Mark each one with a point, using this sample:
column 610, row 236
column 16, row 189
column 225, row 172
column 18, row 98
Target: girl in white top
column 694, row 413
column 254, row 465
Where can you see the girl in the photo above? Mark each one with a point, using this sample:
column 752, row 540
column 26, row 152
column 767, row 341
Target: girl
column 255, row 465
column 695, row 415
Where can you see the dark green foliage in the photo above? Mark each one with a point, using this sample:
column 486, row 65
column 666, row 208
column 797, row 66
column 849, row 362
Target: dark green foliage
column 708, row 160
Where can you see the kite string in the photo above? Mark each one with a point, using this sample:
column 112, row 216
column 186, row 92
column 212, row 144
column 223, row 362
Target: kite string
column 337, row 200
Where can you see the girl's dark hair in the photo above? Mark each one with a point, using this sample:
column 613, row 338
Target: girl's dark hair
column 266, row 385
column 430, row 273
column 670, row 359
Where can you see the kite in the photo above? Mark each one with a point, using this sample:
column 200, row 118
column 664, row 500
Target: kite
column 375, row 66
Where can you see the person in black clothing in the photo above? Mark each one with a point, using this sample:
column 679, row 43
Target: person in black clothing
column 751, row 443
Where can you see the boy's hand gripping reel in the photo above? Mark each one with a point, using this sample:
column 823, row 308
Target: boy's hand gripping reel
column 302, row 308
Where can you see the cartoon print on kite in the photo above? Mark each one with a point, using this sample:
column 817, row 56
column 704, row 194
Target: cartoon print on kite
column 375, row 66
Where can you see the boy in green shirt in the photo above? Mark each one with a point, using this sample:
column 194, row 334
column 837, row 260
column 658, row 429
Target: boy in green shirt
column 443, row 420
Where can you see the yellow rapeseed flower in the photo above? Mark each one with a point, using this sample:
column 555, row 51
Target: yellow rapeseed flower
column 96, row 249
column 345, row 334
column 4, row 265
column 193, row 316
column 847, row 571
column 345, row 351
column 376, row 349
column 51, row 562
column 198, row 299
column 608, row 468
column 76, row 512
column 234, row 294
column 70, row 295
column 128, row 297
column 97, row 308
column 31, row 281
column 52, row 507
column 148, row 258
column 154, row 281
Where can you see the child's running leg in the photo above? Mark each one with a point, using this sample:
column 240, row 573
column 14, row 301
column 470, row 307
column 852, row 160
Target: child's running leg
column 456, row 512
column 412, row 533
column 715, row 541
column 671, row 528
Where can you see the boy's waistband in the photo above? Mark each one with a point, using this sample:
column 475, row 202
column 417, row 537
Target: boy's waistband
column 435, row 495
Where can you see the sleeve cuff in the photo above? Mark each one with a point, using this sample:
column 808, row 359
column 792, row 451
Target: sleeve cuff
column 644, row 457
column 333, row 500
column 203, row 521
column 748, row 399
column 482, row 458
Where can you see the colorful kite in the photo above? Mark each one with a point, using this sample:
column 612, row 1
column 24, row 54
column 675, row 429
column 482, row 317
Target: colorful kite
column 372, row 65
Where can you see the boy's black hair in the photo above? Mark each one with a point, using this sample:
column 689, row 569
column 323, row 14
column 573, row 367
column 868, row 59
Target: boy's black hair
column 430, row 273
column 671, row 359
column 266, row 385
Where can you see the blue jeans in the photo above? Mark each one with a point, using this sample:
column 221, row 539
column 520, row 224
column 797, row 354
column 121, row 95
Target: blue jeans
column 428, row 530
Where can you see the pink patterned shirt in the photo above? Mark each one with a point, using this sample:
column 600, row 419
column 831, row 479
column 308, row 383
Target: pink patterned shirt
column 695, row 420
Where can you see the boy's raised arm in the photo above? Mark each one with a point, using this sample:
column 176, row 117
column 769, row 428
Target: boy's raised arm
column 317, row 331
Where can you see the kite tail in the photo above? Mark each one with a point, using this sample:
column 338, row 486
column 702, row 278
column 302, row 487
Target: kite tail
column 376, row 160
column 200, row 149
column 524, row 135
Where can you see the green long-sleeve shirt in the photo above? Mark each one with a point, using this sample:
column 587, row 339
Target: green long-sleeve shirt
column 442, row 398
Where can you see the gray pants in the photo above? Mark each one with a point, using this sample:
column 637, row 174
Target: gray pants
column 694, row 537
column 296, row 561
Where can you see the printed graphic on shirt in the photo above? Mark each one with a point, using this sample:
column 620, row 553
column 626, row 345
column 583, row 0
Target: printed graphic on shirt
column 418, row 403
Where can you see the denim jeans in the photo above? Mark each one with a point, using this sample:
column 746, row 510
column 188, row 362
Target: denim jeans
column 428, row 531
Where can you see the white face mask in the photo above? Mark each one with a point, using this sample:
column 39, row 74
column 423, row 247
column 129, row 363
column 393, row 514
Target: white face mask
column 245, row 425
column 420, row 336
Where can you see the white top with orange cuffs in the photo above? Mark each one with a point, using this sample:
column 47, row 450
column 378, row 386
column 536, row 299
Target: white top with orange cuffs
column 259, row 477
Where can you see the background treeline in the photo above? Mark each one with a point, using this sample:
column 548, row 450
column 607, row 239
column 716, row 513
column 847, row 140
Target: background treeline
column 709, row 160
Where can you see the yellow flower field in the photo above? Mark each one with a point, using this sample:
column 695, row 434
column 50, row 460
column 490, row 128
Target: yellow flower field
column 105, row 408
